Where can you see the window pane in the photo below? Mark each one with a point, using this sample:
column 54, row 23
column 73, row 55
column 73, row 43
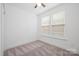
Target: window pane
column 58, row 29
column 58, row 18
column 57, row 23
column 45, row 22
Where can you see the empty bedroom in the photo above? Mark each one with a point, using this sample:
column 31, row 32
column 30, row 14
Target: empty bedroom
column 39, row 29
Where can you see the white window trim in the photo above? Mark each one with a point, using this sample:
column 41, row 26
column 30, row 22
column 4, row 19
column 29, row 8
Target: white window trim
column 51, row 35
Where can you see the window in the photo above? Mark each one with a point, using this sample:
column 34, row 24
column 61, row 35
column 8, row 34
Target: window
column 53, row 23
column 45, row 22
column 57, row 23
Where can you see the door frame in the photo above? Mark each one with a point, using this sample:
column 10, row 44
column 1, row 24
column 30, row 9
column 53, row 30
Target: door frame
column 2, row 29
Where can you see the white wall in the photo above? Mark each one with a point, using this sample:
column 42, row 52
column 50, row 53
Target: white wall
column 72, row 22
column 21, row 27
column 0, row 28
column 71, row 41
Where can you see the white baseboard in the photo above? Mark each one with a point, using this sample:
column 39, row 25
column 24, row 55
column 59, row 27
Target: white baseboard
column 73, row 50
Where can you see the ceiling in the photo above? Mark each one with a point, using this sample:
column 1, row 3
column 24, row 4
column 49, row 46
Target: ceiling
column 30, row 7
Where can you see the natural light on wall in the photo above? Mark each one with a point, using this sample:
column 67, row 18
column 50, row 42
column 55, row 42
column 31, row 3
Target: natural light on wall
column 53, row 23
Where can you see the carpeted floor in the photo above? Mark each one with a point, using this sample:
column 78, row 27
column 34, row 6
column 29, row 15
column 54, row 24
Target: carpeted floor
column 38, row 48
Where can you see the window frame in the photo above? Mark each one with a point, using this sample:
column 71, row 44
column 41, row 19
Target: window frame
column 55, row 35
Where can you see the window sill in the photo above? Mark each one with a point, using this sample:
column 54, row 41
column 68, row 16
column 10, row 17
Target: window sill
column 53, row 36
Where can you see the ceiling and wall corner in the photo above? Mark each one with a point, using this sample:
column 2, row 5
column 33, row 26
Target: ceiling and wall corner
column 30, row 7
